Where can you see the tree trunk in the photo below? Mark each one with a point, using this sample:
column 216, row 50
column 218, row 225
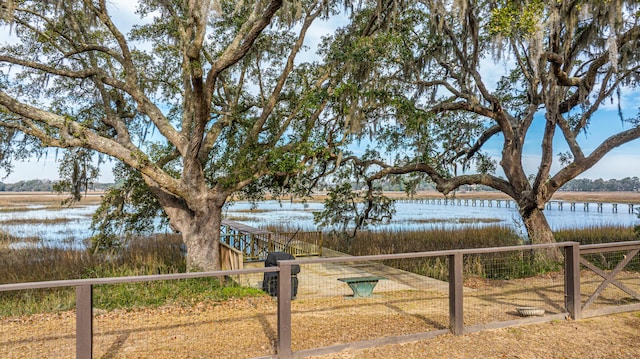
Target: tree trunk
column 539, row 232
column 201, row 235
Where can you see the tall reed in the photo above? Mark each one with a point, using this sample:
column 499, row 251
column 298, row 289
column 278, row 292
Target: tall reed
column 494, row 265
column 597, row 234
column 604, row 234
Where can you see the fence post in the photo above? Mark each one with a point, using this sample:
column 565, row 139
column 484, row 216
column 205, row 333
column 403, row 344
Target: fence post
column 84, row 322
column 572, row 280
column 456, row 318
column 284, row 311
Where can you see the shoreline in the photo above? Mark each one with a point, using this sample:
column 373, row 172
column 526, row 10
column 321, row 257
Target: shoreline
column 21, row 198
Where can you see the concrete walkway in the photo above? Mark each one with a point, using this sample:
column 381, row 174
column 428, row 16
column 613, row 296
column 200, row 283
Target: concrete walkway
column 321, row 279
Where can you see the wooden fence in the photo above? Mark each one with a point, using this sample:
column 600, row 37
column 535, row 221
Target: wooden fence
column 574, row 255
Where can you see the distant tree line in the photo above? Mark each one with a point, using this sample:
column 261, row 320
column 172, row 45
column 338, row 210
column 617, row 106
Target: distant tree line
column 576, row 185
column 627, row 184
column 42, row 185
column 600, row 185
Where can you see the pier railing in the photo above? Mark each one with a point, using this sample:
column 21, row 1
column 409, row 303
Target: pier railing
column 508, row 203
column 256, row 247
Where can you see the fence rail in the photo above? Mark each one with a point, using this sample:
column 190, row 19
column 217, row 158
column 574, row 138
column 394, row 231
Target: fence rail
column 575, row 256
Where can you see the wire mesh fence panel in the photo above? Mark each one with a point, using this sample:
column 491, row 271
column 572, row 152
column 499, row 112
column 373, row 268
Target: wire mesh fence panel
column 49, row 334
column 344, row 302
column 507, row 286
column 610, row 279
column 229, row 321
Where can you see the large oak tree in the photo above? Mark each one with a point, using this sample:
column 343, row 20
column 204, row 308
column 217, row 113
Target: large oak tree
column 201, row 100
column 432, row 99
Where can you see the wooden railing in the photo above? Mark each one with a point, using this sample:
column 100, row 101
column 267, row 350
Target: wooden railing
column 256, row 246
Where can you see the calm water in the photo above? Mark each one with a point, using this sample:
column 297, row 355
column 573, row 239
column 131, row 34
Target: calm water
column 75, row 229
column 426, row 215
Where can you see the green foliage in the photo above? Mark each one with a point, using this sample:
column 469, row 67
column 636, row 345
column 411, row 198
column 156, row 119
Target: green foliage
column 349, row 210
column 78, row 173
column 198, row 98
column 600, row 185
column 516, row 19
column 127, row 208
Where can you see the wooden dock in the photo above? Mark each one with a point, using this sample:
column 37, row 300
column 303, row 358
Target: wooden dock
column 507, row 203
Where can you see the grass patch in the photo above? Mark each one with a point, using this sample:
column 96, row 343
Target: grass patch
column 184, row 292
column 387, row 242
column 6, row 239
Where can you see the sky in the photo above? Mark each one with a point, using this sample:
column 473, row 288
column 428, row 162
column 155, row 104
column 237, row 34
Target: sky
column 619, row 163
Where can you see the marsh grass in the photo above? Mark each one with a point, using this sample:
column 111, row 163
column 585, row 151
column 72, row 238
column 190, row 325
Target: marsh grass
column 601, row 234
column 502, row 265
column 159, row 254
column 455, row 220
column 240, row 218
column 22, row 208
column 6, row 240
column 36, row 221
column 605, row 234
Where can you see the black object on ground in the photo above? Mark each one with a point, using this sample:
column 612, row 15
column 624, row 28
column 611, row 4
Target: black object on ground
column 270, row 281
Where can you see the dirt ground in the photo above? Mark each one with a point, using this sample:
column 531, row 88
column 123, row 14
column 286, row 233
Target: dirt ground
column 216, row 332
column 613, row 336
column 247, row 328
